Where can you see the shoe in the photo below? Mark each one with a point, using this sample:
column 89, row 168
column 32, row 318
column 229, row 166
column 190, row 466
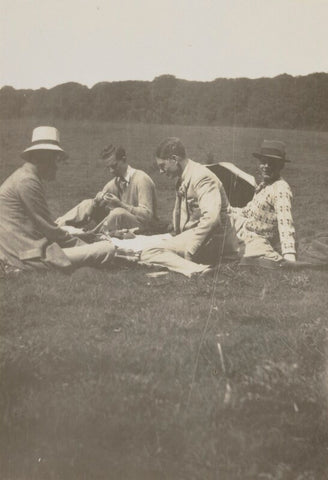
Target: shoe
column 296, row 265
column 260, row 262
column 270, row 264
column 207, row 273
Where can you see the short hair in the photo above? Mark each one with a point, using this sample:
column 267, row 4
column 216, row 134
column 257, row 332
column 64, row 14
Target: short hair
column 110, row 150
column 170, row 146
column 120, row 153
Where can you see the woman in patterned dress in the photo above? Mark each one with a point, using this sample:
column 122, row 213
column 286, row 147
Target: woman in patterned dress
column 265, row 227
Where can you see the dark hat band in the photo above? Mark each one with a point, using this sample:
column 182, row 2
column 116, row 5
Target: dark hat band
column 272, row 151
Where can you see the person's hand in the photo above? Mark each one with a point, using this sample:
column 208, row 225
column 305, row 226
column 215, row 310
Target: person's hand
column 290, row 257
column 111, row 200
column 60, row 221
column 98, row 198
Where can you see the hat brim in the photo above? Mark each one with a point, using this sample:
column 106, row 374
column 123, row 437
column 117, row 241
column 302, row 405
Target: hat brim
column 44, row 146
column 260, row 156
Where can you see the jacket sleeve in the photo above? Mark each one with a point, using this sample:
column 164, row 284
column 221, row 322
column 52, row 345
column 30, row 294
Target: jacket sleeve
column 209, row 201
column 110, row 187
column 32, row 196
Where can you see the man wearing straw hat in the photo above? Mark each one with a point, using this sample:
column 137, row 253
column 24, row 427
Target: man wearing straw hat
column 265, row 226
column 28, row 237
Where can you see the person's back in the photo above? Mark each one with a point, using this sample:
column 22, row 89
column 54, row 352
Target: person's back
column 18, row 230
column 28, row 236
column 199, row 171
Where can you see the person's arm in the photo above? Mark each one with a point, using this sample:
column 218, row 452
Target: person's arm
column 32, row 196
column 109, row 188
column 209, row 202
column 145, row 210
column 146, row 200
column 283, row 209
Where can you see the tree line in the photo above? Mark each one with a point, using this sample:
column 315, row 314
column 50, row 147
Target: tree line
column 280, row 102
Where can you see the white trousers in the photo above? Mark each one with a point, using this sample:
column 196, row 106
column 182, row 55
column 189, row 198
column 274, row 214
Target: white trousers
column 170, row 254
column 93, row 254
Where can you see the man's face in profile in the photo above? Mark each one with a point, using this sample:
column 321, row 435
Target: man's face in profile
column 48, row 162
column 169, row 166
column 270, row 168
column 117, row 167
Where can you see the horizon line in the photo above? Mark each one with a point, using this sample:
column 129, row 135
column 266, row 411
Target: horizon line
column 159, row 76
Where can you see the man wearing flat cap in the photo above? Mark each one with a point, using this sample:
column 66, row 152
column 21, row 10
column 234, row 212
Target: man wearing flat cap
column 265, row 226
column 29, row 239
column 128, row 200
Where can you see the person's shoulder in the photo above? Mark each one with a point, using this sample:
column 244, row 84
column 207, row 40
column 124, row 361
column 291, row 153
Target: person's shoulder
column 27, row 175
column 20, row 176
column 200, row 172
column 282, row 185
column 281, row 188
column 142, row 176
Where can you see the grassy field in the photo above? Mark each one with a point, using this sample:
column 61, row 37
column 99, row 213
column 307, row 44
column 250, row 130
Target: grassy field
column 110, row 374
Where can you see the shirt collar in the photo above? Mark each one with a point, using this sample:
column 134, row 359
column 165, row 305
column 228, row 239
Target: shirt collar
column 128, row 175
column 263, row 185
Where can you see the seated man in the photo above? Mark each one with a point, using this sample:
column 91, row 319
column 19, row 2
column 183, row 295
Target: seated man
column 266, row 221
column 126, row 201
column 201, row 216
column 28, row 237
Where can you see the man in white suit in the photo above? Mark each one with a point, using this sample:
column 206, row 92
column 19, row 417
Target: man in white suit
column 202, row 223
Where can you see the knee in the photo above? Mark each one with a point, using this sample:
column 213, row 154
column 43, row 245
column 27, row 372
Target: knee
column 107, row 248
column 86, row 208
column 105, row 251
column 88, row 202
column 115, row 218
column 117, row 213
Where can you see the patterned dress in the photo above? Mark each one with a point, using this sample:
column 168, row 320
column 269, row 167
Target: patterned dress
column 267, row 221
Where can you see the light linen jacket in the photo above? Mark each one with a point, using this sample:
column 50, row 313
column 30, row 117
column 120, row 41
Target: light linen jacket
column 204, row 207
column 28, row 236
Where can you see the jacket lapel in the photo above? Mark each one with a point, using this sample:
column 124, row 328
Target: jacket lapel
column 186, row 179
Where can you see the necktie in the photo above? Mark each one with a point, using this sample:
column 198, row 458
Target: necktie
column 122, row 184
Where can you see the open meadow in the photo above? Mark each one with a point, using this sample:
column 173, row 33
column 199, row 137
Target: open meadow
column 112, row 375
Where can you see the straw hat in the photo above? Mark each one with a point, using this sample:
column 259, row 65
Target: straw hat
column 273, row 149
column 45, row 138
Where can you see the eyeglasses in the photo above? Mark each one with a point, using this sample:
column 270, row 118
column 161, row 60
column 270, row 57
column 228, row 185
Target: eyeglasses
column 161, row 163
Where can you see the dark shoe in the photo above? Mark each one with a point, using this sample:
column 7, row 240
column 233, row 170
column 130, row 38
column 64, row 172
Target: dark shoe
column 260, row 262
column 209, row 272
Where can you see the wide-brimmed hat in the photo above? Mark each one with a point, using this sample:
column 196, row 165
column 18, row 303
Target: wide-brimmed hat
column 273, row 149
column 45, row 138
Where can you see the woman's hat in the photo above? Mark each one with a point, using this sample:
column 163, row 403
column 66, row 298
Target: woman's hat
column 273, row 149
column 45, row 138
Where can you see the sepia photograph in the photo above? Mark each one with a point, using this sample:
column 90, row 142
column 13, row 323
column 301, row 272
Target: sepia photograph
column 163, row 240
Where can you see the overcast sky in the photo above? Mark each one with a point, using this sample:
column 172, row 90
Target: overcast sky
column 47, row 42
